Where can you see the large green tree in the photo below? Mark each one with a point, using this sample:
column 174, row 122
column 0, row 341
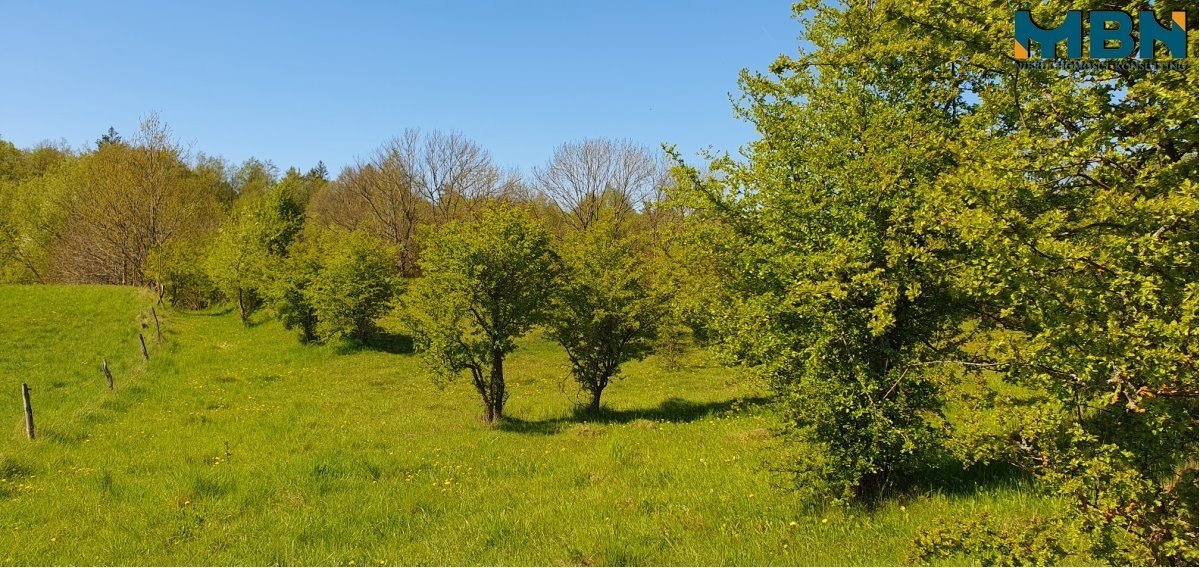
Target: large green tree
column 917, row 202
column 486, row 282
column 838, row 289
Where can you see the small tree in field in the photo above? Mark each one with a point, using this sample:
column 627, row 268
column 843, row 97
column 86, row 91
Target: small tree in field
column 290, row 288
column 486, row 283
column 252, row 245
column 604, row 313
column 237, row 262
column 355, row 284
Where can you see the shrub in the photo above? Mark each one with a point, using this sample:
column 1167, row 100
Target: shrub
column 356, row 283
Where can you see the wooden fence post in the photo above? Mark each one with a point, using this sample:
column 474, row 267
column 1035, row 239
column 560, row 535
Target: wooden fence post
column 108, row 375
column 28, row 411
column 145, row 354
column 157, row 328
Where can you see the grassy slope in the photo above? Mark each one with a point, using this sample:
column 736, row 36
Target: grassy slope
column 239, row 446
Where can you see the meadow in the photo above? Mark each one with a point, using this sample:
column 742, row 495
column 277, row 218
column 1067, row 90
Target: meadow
column 239, row 445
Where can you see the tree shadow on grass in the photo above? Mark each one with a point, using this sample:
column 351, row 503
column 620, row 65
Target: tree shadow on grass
column 673, row 409
column 382, row 341
column 951, row 477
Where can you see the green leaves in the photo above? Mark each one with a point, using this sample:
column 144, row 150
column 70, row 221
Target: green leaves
column 604, row 312
column 486, row 282
column 915, row 198
column 355, row 283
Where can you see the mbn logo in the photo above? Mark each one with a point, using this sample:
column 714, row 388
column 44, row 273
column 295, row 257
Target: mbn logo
column 1111, row 34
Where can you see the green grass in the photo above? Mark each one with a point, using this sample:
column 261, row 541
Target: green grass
column 237, row 445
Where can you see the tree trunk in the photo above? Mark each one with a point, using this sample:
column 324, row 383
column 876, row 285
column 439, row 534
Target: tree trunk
column 241, row 305
column 594, row 405
column 496, row 410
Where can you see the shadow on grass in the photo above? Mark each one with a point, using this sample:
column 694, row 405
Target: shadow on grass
column 671, row 410
column 382, row 341
column 216, row 312
column 950, row 477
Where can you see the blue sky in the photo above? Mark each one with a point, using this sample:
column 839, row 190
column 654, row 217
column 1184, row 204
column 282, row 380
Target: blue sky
column 300, row 82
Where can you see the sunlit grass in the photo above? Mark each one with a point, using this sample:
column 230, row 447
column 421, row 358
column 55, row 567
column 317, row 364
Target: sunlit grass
column 237, row 445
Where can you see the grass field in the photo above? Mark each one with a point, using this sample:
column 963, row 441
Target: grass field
column 237, row 445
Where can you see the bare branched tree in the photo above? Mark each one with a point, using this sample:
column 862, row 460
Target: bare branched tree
column 381, row 195
column 586, row 177
column 456, row 175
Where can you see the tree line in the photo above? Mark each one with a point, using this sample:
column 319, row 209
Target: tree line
column 470, row 255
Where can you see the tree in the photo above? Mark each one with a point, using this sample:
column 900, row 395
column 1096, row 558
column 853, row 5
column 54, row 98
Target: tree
column 486, row 282
column 455, row 174
column 237, row 262
column 254, row 176
column 251, row 246
column 319, row 172
column 587, row 177
column 839, row 291
column 291, row 290
column 110, row 137
column 355, row 284
column 917, row 206
column 379, row 195
column 603, row 313
column 410, row 180
column 32, row 184
column 126, row 201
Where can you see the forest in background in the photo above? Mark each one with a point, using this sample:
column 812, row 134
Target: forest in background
column 917, row 214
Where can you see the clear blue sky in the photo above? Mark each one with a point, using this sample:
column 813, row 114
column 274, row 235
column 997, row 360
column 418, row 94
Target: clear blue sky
column 300, row 82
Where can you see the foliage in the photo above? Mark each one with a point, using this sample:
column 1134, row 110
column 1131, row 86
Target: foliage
column 913, row 192
column 355, row 284
column 125, row 201
column 486, row 283
column 1038, row 542
column 32, row 184
column 250, row 247
column 290, row 289
column 603, row 312
column 839, row 294
column 179, row 269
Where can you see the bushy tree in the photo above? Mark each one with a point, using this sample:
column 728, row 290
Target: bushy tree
column 178, row 268
column 916, row 201
column 125, row 201
column 838, row 294
column 290, row 288
column 251, row 246
column 486, row 283
column 33, row 184
column 355, row 284
column 603, row 312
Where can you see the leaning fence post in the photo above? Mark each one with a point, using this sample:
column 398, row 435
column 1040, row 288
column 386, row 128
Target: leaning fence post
column 157, row 328
column 108, row 375
column 145, row 354
column 28, row 411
